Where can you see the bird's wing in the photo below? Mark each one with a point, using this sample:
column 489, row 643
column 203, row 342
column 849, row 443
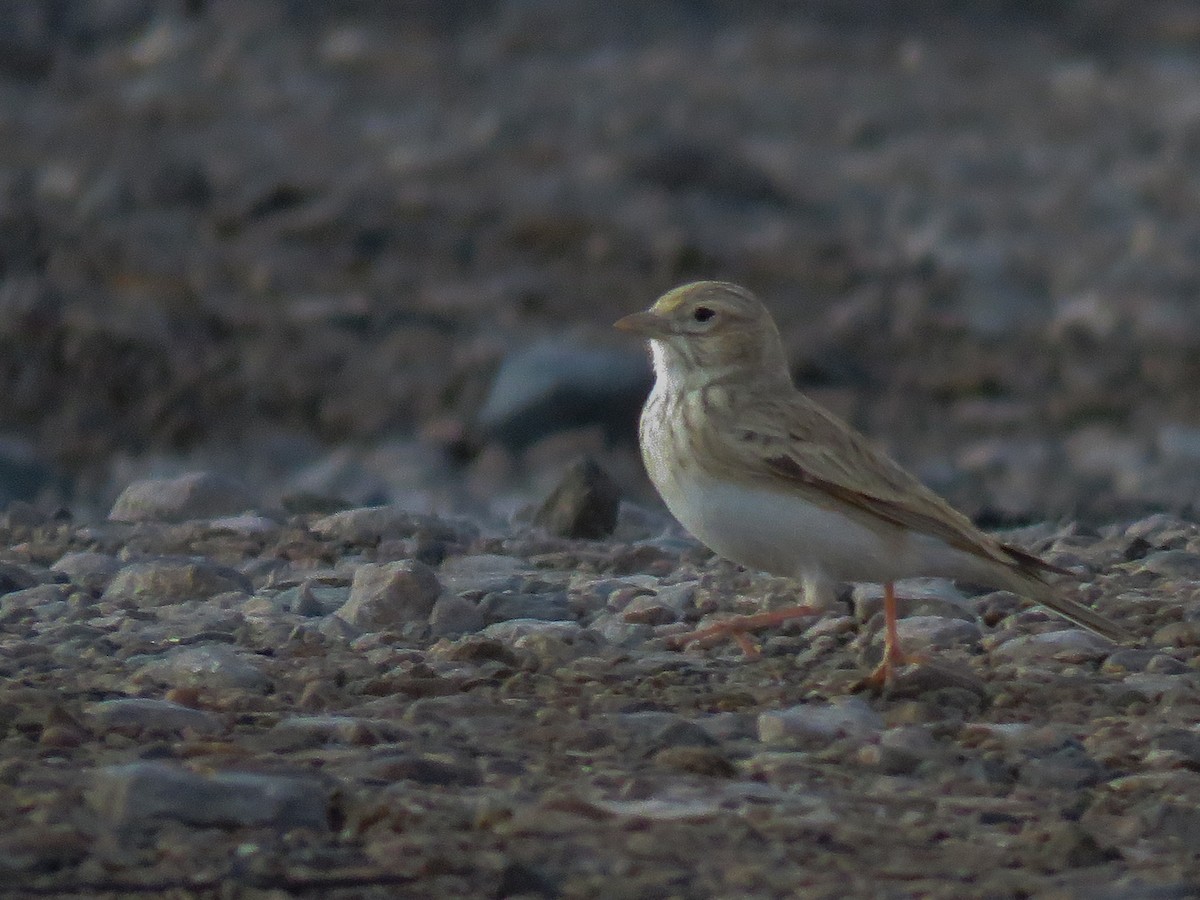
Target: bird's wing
column 825, row 459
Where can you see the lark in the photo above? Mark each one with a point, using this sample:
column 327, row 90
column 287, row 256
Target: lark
column 769, row 479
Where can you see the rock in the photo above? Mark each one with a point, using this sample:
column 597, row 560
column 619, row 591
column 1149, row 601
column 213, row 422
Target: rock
column 143, row 715
column 196, row 495
column 23, row 474
column 36, row 847
column 483, row 573
column 936, row 632
column 1177, row 634
column 44, row 602
column 14, row 578
column 583, row 505
column 452, row 616
column 820, row 723
column 301, row 732
column 90, row 571
column 371, row 524
column 1066, row 645
column 1173, row 564
column 390, row 594
column 214, row 666
column 141, row 794
column 560, row 383
column 554, row 606
column 168, row 581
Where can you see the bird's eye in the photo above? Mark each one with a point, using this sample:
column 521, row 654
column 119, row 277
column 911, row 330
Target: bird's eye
column 702, row 314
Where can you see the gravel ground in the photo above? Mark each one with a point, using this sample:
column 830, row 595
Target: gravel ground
column 352, row 266
column 377, row 703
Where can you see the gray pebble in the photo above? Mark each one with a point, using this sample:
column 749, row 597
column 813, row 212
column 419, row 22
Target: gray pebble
column 936, row 632
column 196, row 495
column 820, row 723
column 1173, row 564
column 145, row 714
column 91, row 571
column 141, row 794
column 167, row 581
column 452, row 616
column 554, row 607
column 372, row 524
column 583, row 505
column 209, row 666
column 390, row 594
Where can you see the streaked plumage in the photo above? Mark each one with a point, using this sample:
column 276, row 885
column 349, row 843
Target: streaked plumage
column 769, row 479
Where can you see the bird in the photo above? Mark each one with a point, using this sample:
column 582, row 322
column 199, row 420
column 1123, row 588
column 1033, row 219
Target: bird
column 768, row 479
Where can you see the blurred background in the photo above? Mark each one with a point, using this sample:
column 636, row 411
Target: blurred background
column 371, row 250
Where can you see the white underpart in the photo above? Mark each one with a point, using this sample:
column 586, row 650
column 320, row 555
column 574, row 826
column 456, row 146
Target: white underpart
column 784, row 534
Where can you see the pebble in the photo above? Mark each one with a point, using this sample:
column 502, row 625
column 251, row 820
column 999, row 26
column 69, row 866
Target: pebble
column 196, row 495
column 390, row 594
column 452, row 616
column 90, row 571
column 370, row 525
column 584, row 504
column 216, row 666
column 1065, row 645
column 1173, row 564
column 142, row 794
column 553, row 606
column 167, row 581
column 820, row 723
column 936, row 632
column 144, row 715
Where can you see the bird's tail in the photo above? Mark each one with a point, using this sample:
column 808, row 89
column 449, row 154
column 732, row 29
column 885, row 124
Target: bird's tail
column 1041, row 592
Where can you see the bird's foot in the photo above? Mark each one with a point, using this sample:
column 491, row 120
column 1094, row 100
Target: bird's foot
column 739, row 628
column 884, row 675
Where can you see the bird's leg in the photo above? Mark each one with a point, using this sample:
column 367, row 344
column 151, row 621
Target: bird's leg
column 739, row 627
column 893, row 656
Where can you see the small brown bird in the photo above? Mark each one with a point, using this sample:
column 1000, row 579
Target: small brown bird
column 767, row 478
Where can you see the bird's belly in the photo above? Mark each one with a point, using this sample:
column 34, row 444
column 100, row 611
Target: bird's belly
column 786, row 535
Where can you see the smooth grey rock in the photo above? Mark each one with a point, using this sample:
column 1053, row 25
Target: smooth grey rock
column 936, row 632
column 141, row 794
column 323, row 730
column 145, row 714
column 483, row 572
column 390, row 594
column 15, row 578
column 372, row 524
column 584, row 504
column 91, row 571
column 1067, row 644
column 167, row 581
column 211, row 666
column 45, row 601
column 563, row 382
column 820, row 723
column 555, row 607
column 452, row 616
column 196, row 495
column 1173, row 564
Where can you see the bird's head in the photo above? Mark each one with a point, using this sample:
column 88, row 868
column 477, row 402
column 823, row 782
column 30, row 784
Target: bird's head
column 710, row 330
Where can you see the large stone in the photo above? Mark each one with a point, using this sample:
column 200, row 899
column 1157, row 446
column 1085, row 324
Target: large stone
column 166, row 581
column 216, row 666
column 583, row 505
column 196, row 495
column 141, row 794
column 372, row 524
column 145, row 715
column 385, row 595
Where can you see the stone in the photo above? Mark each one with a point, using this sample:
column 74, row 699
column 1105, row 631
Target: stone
column 452, row 616
column 1173, row 564
column 369, row 525
column 196, row 495
column 14, row 578
column 583, row 505
column 560, row 383
column 936, row 632
column 90, row 571
column 384, row 595
column 167, row 581
column 1065, row 645
column 554, row 606
column 142, row 715
column 44, row 602
column 142, row 794
column 820, row 723
column 205, row 666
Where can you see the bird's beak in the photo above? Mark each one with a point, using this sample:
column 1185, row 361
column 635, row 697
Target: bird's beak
column 646, row 324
